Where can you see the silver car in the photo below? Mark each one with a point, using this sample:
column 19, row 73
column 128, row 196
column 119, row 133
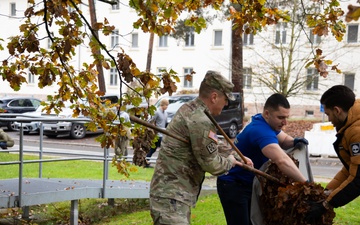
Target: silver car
column 31, row 126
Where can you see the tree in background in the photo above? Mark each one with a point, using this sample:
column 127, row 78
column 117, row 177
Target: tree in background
column 279, row 64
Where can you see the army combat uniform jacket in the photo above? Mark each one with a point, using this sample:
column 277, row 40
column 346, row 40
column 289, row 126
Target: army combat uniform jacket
column 180, row 167
column 346, row 183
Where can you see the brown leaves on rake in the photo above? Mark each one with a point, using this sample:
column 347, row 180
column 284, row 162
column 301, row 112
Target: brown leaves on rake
column 290, row 204
column 141, row 144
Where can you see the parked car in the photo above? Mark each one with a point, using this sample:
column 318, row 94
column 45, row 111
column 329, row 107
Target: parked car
column 17, row 105
column 77, row 129
column 228, row 120
column 32, row 126
column 131, row 109
column 74, row 129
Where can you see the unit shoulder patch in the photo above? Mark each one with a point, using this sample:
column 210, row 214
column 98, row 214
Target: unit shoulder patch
column 355, row 148
column 211, row 147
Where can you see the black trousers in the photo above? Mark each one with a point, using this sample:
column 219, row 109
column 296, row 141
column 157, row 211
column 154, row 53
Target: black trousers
column 236, row 201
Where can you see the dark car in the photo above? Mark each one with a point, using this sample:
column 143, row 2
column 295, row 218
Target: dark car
column 228, row 120
column 17, row 105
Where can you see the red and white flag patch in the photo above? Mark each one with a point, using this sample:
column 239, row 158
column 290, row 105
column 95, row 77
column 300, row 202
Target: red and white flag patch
column 213, row 136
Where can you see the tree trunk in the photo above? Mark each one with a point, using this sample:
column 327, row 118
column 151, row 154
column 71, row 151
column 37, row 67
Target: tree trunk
column 237, row 65
column 99, row 67
column 149, row 55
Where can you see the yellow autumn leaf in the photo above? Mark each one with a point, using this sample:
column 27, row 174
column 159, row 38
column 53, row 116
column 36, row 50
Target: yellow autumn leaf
column 152, row 83
column 105, row 65
column 262, row 2
column 353, row 14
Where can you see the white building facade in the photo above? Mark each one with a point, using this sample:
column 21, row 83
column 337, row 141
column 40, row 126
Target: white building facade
column 209, row 50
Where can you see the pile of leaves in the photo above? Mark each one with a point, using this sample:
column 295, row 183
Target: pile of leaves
column 297, row 128
column 288, row 202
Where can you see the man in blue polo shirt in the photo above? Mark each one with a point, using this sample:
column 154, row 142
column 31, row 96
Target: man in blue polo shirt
column 262, row 139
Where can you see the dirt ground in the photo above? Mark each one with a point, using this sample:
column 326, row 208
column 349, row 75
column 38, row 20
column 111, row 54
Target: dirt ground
column 297, row 128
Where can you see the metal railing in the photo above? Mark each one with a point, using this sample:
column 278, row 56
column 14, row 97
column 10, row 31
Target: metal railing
column 106, row 157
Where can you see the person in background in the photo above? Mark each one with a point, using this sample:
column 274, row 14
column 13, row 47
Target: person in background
column 343, row 111
column 262, row 139
column 122, row 141
column 5, row 140
column 180, row 167
column 159, row 120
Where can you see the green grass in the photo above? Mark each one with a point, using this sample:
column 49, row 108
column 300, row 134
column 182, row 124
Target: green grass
column 126, row 211
column 66, row 169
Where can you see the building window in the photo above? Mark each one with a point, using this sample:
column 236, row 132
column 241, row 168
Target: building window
column 114, row 38
column 278, row 73
column 115, row 6
column 12, row 9
column 314, row 38
column 309, row 113
column 280, row 33
column 113, row 76
column 353, row 30
column 312, row 79
column 218, row 38
column 31, row 78
column 188, row 79
column 135, row 40
column 190, row 39
column 247, row 76
column 160, row 71
column 248, row 39
column 163, row 41
column 349, row 80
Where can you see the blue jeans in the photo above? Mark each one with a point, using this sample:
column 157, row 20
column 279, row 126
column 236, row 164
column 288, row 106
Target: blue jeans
column 236, row 201
column 157, row 145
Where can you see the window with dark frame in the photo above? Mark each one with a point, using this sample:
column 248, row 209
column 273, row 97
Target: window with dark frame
column 247, row 77
column 31, row 78
column 12, row 9
column 115, row 38
column 134, row 40
column 188, row 83
column 352, row 34
column 280, row 33
column 248, row 39
column 190, row 39
column 163, row 41
column 160, row 71
column 113, row 76
column 309, row 113
column 349, row 80
column 312, row 79
column 314, row 38
column 218, row 38
column 115, row 6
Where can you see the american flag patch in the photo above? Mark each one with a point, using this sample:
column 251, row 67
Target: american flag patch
column 213, row 136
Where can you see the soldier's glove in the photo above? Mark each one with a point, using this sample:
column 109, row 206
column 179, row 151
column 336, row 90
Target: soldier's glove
column 302, row 140
column 3, row 145
column 317, row 209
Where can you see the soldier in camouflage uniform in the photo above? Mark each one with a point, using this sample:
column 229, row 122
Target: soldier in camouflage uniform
column 5, row 140
column 180, row 167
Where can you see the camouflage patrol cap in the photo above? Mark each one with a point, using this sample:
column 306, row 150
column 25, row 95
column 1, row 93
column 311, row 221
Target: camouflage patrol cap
column 215, row 80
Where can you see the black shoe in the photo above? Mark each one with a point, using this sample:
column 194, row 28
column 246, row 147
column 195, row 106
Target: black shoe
column 147, row 165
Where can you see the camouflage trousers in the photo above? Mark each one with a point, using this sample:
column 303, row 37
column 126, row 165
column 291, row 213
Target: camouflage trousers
column 169, row 211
